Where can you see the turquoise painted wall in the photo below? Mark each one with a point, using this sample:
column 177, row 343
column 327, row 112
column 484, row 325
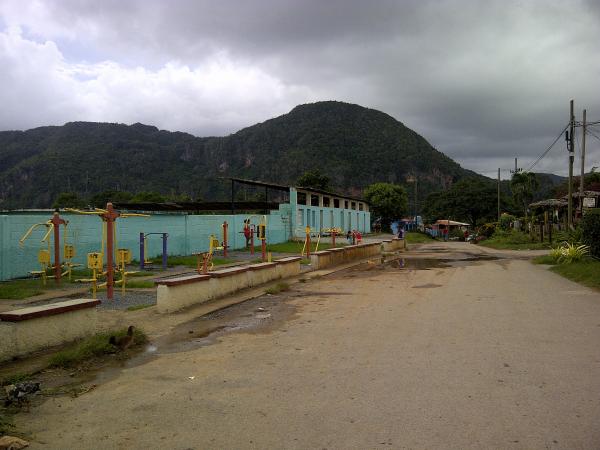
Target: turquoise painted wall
column 321, row 217
column 187, row 234
column 318, row 217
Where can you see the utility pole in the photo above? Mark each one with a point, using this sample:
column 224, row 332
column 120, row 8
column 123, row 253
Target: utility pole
column 571, row 149
column 516, row 168
column 498, row 194
column 582, row 164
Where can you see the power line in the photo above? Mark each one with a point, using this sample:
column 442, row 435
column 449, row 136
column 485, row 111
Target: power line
column 591, row 133
column 548, row 149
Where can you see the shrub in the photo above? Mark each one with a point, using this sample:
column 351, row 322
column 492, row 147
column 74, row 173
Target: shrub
column 590, row 230
column 568, row 253
column 487, row 229
column 506, row 220
column 571, row 236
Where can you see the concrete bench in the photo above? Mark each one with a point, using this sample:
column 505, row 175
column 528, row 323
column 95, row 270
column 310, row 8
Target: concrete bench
column 27, row 330
column 337, row 256
column 177, row 293
column 393, row 245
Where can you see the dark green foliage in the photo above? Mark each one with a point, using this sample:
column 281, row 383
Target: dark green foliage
column 506, row 220
column 487, row 229
column 388, row 201
column 590, row 230
column 314, row 179
column 355, row 146
column 150, row 197
column 68, row 200
column 524, row 185
column 470, row 200
column 101, row 199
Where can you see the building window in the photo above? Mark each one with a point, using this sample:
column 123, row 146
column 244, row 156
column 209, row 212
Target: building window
column 336, row 202
column 345, row 204
column 360, row 206
column 353, row 205
column 301, row 198
column 326, row 202
column 314, row 200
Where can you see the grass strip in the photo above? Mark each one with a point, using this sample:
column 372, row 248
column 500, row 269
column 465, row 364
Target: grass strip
column 279, row 287
column 90, row 347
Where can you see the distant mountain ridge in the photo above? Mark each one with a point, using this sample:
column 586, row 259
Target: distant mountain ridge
column 353, row 145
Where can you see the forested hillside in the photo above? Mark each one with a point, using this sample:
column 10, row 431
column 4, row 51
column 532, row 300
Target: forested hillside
column 353, row 145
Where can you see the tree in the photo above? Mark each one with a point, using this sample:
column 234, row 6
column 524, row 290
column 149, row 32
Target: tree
column 314, row 179
column 148, row 197
column 523, row 186
column 68, row 200
column 101, row 199
column 470, row 200
column 388, row 201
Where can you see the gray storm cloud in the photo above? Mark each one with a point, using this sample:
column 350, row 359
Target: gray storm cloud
column 482, row 81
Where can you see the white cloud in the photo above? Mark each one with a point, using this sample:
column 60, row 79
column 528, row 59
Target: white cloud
column 215, row 97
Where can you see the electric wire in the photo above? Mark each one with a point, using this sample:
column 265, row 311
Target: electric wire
column 548, row 149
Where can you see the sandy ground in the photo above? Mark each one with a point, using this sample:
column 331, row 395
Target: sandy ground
column 417, row 354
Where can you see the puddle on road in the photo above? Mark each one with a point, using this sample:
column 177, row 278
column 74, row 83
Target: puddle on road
column 404, row 265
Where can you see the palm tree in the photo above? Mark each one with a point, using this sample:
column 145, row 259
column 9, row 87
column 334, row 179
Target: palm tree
column 523, row 186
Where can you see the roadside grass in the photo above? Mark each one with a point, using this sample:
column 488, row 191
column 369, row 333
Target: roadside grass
column 279, row 287
column 189, row 261
column 19, row 289
column 16, row 378
column 413, row 237
column 90, row 347
column 513, row 240
column 296, row 246
column 544, row 259
column 138, row 307
column 140, row 284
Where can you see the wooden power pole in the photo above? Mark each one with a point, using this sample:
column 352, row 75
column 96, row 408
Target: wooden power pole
column 498, row 194
column 571, row 148
column 582, row 164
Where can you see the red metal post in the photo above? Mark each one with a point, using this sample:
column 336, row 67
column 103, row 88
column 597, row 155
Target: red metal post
column 225, row 239
column 109, row 217
column 57, row 222
column 308, row 244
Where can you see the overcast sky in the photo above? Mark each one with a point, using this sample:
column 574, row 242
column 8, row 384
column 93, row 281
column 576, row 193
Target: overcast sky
column 483, row 81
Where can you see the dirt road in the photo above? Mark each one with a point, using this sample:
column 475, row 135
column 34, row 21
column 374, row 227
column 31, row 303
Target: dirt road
column 470, row 353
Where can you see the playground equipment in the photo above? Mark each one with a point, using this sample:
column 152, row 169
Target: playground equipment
column 44, row 254
column 144, row 250
column 262, row 235
column 109, row 216
column 306, row 247
column 333, row 232
column 204, row 259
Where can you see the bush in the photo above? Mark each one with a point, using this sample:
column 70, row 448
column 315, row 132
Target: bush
column 569, row 253
column 487, row 229
column 506, row 220
column 590, row 230
column 512, row 236
column 457, row 233
column 570, row 236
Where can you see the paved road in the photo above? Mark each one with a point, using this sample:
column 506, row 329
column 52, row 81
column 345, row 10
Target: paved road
column 487, row 353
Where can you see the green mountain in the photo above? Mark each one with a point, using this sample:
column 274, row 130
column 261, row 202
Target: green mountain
column 353, row 145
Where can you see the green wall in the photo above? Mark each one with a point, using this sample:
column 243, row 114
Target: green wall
column 187, row 234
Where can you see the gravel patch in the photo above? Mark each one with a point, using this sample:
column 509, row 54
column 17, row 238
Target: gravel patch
column 131, row 298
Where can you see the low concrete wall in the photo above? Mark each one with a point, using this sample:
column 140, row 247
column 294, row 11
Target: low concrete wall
column 342, row 255
column 27, row 330
column 177, row 293
column 393, row 245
